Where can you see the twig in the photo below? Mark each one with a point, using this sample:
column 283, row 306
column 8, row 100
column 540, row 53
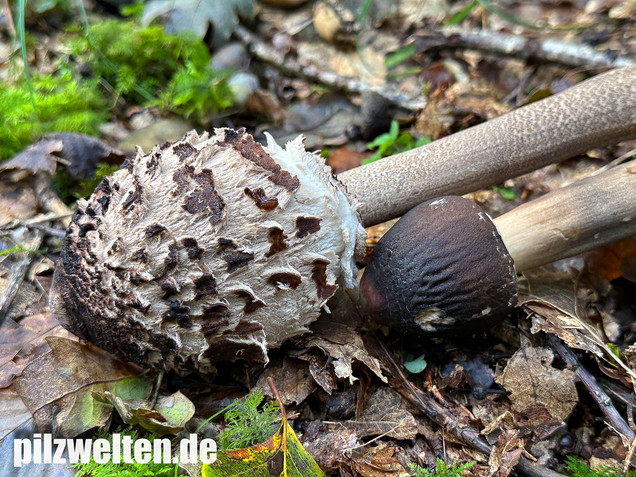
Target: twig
column 544, row 50
column 628, row 458
column 597, row 393
column 48, row 199
column 47, row 230
column 10, row 24
column 269, row 55
column 17, row 277
column 445, row 420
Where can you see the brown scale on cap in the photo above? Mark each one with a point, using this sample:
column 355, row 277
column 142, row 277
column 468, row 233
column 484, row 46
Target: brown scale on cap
column 441, row 267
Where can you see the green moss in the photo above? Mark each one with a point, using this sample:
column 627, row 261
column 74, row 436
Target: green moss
column 146, row 65
column 442, row 469
column 61, row 104
column 246, row 424
column 577, row 468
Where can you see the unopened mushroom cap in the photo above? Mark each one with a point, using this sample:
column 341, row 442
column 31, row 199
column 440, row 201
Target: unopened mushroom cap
column 208, row 249
column 441, row 267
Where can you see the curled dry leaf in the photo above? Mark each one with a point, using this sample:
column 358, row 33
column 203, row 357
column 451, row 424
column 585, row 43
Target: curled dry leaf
column 380, row 461
column 294, row 380
column 344, row 346
column 556, row 309
column 540, row 393
column 505, row 454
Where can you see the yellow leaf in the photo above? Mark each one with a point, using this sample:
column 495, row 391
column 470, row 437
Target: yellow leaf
column 281, row 455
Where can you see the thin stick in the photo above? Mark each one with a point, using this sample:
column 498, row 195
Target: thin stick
column 542, row 49
column 600, row 397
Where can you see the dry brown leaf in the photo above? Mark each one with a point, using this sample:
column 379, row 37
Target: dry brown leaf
column 329, row 449
column 24, row 342
column 559, row 311
column 505, row 454
column 13, row 412
column 538, row 391
column 292, row 378
column 343, row 346
column 37, row 157
column 614, row 260
column 52, row 385
column 386, row 415
column 380, row 461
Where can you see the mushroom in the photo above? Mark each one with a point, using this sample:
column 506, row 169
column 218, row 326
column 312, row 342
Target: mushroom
column 446, row 266
column 216, row 248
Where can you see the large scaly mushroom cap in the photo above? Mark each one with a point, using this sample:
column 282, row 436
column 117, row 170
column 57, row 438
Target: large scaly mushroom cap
column 208, row 249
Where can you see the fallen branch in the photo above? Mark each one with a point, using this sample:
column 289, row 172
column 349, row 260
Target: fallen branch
column 526, row 48
column 292, row 67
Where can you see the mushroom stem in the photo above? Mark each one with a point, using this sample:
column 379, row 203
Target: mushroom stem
column 582, row 216
column 595, row 113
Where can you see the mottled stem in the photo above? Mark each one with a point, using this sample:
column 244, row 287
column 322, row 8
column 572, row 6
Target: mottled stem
column 595, row 113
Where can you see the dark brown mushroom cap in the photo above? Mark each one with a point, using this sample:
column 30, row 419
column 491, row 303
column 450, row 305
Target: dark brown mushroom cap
column 441, row 267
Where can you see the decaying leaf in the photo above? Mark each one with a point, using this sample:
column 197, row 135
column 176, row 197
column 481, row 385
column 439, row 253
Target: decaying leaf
column 56, row 387
column 505, row 454
column 380, row 461
column 559, row 311
column 330, row 448
column 386, row 415
column 341, row 347
column 614, row 260
column 197, row 15
column 293, row 378
column 37, row 157
column 539, row 392
column 280, row 455
column 168, row 416
column 13, row 412
column 81, row 153
column 21, row 343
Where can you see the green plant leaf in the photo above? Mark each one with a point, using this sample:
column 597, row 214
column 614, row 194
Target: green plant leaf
column 461, row 15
